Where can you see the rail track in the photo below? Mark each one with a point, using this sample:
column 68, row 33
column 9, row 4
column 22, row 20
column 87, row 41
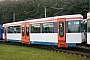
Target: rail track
column 73, row 50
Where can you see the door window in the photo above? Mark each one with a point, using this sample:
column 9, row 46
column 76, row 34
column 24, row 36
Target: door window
column 61, row 29
column 23, row 29
column 27, row 31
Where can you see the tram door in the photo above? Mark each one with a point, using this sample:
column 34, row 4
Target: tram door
column 25, row 33
column 62, row 33
column 5, row 34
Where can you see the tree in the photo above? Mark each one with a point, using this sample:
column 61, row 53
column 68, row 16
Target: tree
column 35, row 9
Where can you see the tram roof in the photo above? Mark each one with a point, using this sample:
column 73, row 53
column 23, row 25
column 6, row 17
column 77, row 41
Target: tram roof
column 48, row 18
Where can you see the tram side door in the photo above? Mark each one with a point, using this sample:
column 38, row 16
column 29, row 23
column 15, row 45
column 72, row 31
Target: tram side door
column 28, row 33
column 25, row 28
column 62, row 33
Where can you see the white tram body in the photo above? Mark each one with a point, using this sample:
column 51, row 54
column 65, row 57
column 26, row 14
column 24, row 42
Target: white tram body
column 61, row 31
column 88, row 28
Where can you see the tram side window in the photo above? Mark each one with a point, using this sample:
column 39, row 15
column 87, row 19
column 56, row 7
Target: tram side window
column 48, row 27
column 35, row 28
column 73, row 26
column 10, row 29
column 16, row 29
column 88, row 25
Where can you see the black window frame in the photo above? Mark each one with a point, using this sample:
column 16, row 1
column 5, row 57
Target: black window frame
column 79, row 28
column 34, row 28
column 19, row 30
column 55, row 27
column 9, row 30
column 48, row 29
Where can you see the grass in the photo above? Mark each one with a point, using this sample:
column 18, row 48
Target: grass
column 10, row 52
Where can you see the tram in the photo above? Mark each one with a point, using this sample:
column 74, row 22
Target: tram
column 61, row 31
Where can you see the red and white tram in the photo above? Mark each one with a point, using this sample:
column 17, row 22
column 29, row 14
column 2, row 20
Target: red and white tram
column 61, row 31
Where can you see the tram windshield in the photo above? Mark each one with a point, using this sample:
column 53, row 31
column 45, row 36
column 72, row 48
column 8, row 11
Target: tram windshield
column 75, row 26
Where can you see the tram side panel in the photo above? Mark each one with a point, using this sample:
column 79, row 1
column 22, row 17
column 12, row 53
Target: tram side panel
column 14, row 37
column 13, row 34
column 44, row 38
column 44, row 33
column 73, row 32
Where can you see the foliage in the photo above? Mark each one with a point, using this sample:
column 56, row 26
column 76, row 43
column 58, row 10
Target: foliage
column 35, row 9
